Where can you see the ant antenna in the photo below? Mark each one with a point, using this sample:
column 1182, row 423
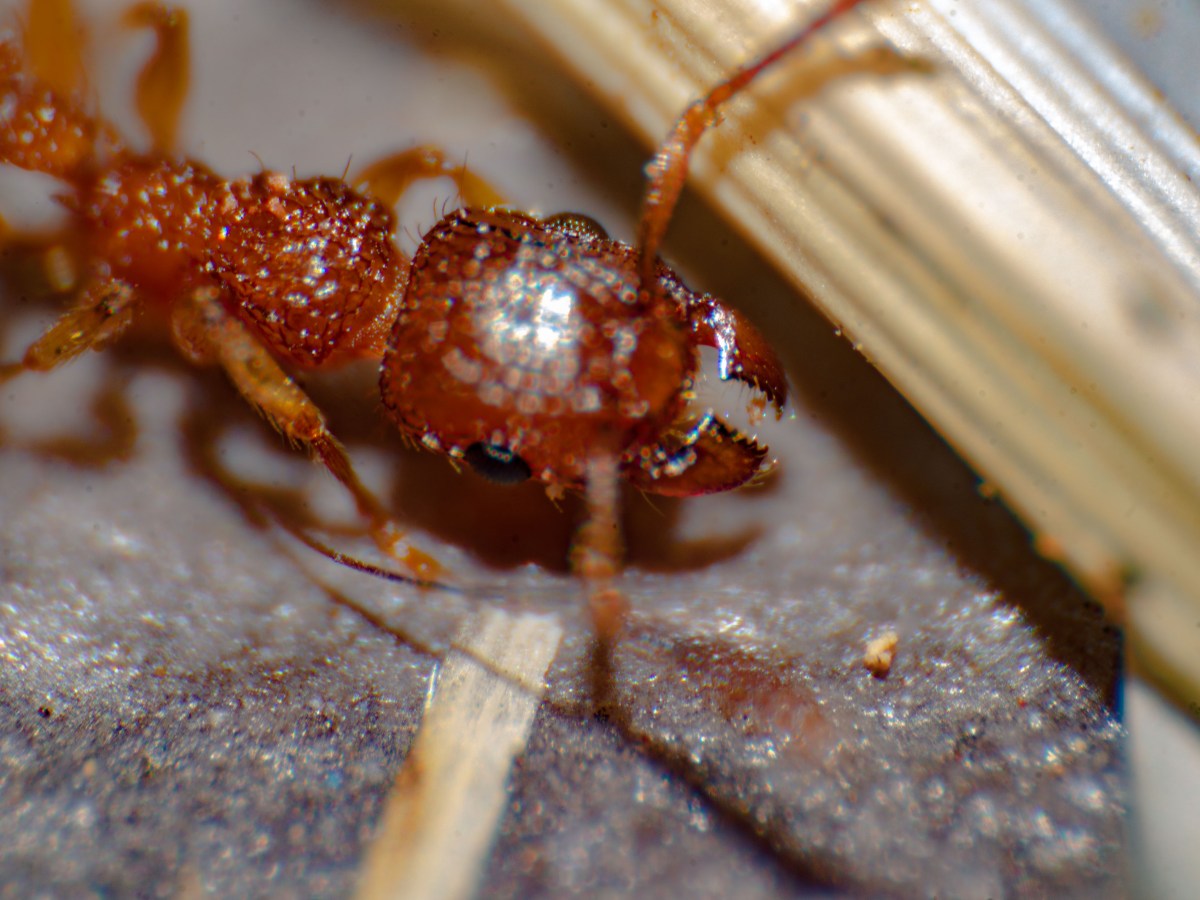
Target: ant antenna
column 667, row 172
column 351, row 562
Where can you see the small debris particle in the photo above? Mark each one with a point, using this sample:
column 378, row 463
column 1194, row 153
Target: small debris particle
column 880, row 653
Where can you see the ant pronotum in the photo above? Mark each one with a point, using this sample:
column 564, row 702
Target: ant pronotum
column 524, row 347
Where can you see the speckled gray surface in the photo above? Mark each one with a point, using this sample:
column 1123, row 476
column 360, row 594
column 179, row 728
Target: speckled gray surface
column 186, row 705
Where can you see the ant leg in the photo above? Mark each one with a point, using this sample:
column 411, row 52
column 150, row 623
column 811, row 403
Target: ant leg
column 54, row 46
column 667, row 172
column 596, row 558
column 205, row 332
column 105, row 311
column 387, row 179
column 162, row 85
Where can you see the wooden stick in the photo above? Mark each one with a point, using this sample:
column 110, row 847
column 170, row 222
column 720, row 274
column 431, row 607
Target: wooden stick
column 449, row 797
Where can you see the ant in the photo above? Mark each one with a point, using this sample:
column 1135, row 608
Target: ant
column 522, row 347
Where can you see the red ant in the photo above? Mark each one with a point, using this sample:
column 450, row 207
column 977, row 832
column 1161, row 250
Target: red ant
column 525, row 347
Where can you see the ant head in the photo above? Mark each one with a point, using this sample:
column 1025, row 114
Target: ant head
column 521, row 346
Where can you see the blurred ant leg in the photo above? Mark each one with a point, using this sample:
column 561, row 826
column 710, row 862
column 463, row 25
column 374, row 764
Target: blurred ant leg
column 104, row 312
column 162, row 85
column 54, row 46
column 596, row 558
column 388, row 178
column 205, row 332
column 668, row 171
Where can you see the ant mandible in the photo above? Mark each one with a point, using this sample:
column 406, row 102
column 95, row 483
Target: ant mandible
column 525, row 347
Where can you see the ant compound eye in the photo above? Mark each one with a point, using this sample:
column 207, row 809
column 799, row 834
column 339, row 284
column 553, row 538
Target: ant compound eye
column 576, row 225
column 496, row 463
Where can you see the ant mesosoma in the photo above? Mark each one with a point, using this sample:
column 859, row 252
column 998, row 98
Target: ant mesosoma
column 523, row 347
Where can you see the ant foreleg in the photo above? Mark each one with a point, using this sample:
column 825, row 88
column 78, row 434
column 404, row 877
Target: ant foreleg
column 205, row 332
column 106, row 310
column 596, row 558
